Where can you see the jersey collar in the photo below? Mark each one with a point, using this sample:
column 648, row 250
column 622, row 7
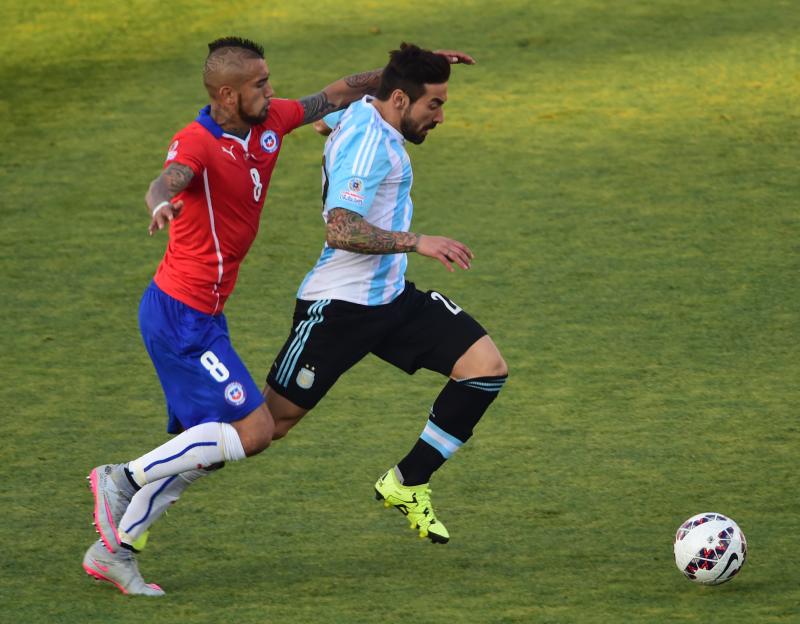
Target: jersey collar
column 204, row 119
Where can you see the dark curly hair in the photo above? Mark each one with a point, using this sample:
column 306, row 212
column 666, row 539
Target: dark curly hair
column 410, row 68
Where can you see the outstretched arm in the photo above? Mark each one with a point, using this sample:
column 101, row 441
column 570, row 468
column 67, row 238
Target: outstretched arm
column 351, row 88
column 339, row 94
column 159, row 196
column 349, row 231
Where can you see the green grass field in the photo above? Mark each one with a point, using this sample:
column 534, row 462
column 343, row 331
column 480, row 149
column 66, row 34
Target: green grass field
column 627, row 174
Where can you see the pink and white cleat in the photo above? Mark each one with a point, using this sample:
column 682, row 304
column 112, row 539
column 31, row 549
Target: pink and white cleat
column 112, row 493
column 119, row 568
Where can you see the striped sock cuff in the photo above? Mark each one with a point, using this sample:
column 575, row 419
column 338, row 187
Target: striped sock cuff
column 487, row 384
column 439, row 439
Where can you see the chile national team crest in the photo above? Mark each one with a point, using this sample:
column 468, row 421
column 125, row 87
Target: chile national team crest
column 234, row 393
column 269, row 141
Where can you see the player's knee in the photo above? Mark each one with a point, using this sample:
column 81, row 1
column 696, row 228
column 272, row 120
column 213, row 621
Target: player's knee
column 256, row 431
column 482, row 359
column 493, row 366
column 497, row 366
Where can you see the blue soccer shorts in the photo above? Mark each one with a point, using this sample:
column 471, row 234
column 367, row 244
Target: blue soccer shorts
column 203, row 378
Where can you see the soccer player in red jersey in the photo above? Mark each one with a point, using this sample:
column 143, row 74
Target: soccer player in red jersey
column 211, row 193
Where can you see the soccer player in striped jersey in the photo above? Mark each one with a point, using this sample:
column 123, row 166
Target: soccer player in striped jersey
column 210, row 194
column 356, row 300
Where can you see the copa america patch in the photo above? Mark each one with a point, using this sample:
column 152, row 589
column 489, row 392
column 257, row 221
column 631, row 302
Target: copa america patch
column 269, row 141
column 305, row 378
column 234, row 393
column 355, row 184
column 172, row 152
column 353, row 193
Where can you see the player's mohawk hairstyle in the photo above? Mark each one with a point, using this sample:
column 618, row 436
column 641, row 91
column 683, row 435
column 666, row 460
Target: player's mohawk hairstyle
column 410, row 68
column 236, row 42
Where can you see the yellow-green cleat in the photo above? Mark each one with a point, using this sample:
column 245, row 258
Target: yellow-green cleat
column 414, row 502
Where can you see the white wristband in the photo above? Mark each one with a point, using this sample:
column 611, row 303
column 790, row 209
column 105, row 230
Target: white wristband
column 160, row 206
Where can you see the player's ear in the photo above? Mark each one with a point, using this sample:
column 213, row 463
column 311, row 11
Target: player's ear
column 399, row 99
column 226, row 94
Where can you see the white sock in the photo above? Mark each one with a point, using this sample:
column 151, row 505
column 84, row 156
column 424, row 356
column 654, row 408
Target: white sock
column 150, row 503
column 198, row 447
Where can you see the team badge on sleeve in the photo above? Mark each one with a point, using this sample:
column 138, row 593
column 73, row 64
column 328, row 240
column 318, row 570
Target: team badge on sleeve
column 234, row 393
column 355, row 186
column 172, row 152
column 269, row 141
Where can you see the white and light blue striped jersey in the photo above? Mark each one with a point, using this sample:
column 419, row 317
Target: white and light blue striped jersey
column 365, row 169
column 331, row 119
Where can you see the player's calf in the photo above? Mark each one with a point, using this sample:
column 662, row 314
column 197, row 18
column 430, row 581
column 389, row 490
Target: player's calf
column 455, row 413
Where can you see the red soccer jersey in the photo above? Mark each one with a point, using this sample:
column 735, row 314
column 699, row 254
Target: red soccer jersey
column 222, row 204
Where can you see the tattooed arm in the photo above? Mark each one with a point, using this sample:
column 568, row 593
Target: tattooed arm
column 159, row 196
column 339, row 94
column 349, row 231
column 351, row 88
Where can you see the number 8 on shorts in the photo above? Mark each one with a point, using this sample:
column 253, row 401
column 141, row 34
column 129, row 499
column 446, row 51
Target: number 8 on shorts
column 215, row 368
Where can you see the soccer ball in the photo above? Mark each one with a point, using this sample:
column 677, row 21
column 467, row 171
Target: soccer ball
column 710, row 548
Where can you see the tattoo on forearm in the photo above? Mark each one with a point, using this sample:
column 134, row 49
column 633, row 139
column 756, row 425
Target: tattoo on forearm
column 316, row 107
column 177, row 178
column 349, row 231
column 366, row 81
column 172, row 181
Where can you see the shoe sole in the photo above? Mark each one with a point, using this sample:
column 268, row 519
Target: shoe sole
column 102, row 513
column 433, row 537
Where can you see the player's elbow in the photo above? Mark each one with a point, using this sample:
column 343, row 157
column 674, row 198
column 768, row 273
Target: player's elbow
column 148, row 196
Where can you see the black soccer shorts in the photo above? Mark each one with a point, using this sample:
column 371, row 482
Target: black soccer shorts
column 328, row 336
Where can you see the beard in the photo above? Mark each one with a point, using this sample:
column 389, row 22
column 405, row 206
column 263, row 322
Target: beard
column 252, row 120
column 411, row 132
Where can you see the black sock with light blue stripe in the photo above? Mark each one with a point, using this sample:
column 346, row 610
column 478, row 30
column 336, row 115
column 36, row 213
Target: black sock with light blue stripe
column 458, row 408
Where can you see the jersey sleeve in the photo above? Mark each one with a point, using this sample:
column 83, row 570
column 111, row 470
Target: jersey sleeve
column 361, row 164
column 331, row 119
column 286, row 114
column 187, row 149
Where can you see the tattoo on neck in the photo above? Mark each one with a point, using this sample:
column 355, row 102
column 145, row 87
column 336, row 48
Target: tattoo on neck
column 239, row 132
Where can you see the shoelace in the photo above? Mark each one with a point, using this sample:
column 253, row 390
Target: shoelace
column 423, row 502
